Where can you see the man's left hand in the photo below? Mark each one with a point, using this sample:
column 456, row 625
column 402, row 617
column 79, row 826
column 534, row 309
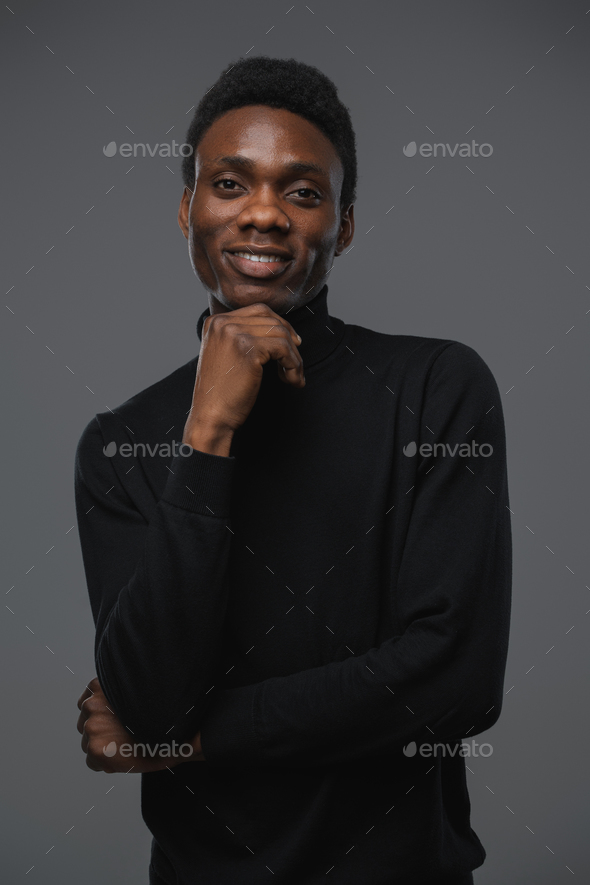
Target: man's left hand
column 103, row 736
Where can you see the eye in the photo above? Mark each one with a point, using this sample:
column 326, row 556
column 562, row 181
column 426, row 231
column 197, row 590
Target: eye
column 307, row 192
column 229, row 181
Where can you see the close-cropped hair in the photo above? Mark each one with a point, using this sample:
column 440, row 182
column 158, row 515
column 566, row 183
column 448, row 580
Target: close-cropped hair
column 279, row 83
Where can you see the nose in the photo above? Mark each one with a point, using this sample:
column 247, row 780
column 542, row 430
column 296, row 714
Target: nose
column 263, row 212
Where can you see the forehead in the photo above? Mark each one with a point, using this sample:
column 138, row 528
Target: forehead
column 268, row 136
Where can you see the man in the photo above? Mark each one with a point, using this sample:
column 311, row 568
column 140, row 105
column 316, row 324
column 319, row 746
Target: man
column 317, row 582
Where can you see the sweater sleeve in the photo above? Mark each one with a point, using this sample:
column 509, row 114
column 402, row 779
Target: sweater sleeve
column 440, row 677
column 158, row 587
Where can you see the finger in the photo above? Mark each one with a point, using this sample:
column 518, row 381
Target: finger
column 81, row 720
column 87, row 693
column 276, row 347
column 289, row 359
column 94, row 763
column 282, row 373
column 262, row 330
column 272, row 342
column 263, row 324
column 258, row 314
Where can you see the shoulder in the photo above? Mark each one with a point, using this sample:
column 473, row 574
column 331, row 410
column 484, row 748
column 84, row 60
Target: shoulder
column 432, row 356
column 459, row 368
column 438, row 374
column 146, row 416
column 153, row 405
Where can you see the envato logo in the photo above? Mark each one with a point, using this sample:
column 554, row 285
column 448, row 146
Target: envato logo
column 132, row 150
column 164, row 450
column 172, row 750
column 464, row 450
column 434, row 150
column 463, row 749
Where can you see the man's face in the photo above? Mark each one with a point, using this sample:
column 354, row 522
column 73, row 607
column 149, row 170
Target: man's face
column 267, row 183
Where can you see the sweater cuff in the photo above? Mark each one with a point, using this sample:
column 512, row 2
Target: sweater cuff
column 227, row 732
column 200, row 482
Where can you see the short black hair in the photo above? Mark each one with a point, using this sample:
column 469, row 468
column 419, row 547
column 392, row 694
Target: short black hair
column 279, row 83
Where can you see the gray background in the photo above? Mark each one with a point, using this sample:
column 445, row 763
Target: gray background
column 116, row 302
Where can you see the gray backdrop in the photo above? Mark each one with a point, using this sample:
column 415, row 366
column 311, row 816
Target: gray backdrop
column 101, row 302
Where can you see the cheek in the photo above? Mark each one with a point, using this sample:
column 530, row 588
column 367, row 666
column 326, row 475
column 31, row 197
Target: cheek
column 203, row 235
column 323, row 243
column 323, row 235
column 206, row 220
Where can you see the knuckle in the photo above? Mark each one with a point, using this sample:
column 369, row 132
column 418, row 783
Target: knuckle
column 90, row 726
column 207, row 326
column 214, row 321
column 94, row 750
column 244, row 340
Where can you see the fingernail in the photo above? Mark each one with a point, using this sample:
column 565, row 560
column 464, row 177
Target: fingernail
column 300, row 338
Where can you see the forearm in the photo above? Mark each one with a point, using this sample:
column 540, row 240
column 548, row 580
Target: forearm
column 158, row 592
column 158, row 651
column 369, row 705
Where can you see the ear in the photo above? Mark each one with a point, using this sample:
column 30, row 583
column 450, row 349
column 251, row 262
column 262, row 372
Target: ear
column 346, row 232
column 184, row 211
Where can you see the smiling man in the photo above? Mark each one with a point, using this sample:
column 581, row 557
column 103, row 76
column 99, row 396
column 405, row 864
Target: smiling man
column 303, row 611
column 272, row 151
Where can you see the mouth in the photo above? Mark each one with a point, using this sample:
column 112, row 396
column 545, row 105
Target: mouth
column 264, row 266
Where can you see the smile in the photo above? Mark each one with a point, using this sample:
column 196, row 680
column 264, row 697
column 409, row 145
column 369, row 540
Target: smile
column 265, row 266
column 264, row 258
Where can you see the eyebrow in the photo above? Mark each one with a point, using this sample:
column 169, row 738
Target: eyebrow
column 246, row 163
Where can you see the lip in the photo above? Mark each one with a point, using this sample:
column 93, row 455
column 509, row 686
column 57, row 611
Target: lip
column 260, row 269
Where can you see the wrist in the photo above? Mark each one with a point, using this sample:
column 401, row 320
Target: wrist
column 210, row 438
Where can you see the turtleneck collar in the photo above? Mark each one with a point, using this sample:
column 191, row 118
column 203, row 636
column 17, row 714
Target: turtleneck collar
column 320, row 332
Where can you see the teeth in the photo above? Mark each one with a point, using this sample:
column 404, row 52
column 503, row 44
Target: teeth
column 263, row 258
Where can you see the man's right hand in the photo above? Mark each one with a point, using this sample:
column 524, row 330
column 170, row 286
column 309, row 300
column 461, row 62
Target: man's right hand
column 235, row 345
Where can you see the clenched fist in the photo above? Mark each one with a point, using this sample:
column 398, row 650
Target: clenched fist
column 235, row 347
column 111, row 748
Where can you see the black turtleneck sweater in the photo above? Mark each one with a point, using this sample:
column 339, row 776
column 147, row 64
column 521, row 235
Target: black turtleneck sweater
column 313, row 604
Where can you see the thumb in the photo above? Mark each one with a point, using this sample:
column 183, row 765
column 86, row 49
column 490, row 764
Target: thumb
column 281, row 372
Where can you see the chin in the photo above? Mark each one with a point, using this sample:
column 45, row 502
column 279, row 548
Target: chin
column 243, row 295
